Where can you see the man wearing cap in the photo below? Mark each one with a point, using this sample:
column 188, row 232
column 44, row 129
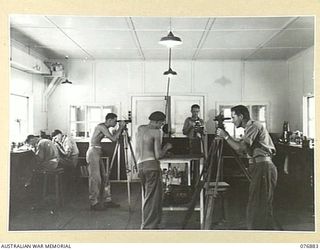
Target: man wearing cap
column 99, row 189
column 257, row 143
column 149, row 151
column 46, row 153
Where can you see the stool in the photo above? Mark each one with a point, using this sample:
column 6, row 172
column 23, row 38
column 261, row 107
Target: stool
column 58, row 183
column 209, row 193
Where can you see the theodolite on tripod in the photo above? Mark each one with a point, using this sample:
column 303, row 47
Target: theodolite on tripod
column 220, row 119
column 126, row 145
column 213, row 161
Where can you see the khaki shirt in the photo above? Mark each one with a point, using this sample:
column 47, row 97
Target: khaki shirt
column 69, row 146
column 258, row 140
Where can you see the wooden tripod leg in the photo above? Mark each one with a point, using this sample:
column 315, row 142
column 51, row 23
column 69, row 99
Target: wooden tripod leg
column 199, row 186
column 210, row 199
column 129, row 192
column 133, row 156
column 114, row 155
column 240, row 163
column 126, row 162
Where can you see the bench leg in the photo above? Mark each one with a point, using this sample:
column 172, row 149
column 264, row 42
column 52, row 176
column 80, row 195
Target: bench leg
column 45, row 185
column 61, row 190
column 57, row 190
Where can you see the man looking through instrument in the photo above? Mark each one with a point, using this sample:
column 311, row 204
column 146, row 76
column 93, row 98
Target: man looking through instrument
column 99, row 189
column 149, row 151
column 257, row 143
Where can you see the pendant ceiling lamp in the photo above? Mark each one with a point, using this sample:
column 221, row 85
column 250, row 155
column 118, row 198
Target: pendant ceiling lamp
column 66, row 81
column 170, row 72
column 170, row 40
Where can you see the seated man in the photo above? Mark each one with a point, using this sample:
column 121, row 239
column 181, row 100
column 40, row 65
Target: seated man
column 46, row 155
column 67, row 148
column 68, row 152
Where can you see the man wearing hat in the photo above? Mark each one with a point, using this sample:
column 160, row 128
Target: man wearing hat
column 149, row 151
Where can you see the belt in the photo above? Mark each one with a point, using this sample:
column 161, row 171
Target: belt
column 259, row 159
column 95, row 147
column 54, row 160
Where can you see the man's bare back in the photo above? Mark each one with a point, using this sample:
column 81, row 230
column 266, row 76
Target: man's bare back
column 149, row 142
column 146, row 139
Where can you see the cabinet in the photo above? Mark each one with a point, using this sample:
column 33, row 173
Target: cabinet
column 295, row 166
column 21, row 163
column 190, row 163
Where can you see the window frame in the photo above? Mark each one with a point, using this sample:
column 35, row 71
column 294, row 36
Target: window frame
column 29, row 119
column 249, row 105
column 306, row 115
column 87, row 122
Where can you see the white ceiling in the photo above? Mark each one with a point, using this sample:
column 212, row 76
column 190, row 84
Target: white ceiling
column 246, row 38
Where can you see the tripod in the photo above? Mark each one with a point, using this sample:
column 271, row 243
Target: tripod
column 126, row 143
column 214, row 158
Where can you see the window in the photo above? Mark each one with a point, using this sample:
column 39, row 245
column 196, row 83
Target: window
column 19, row 117
column 84, row 118
column 309, row 116
column 258, row 113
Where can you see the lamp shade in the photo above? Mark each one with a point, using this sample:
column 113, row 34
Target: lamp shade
column 170, row 40
column 170, row 73
column 66, row 81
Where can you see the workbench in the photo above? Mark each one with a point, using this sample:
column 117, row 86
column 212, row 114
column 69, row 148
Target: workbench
column 187, row 160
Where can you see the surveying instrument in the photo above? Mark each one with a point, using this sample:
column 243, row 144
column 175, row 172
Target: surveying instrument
column 212, row 160
column 123, row 147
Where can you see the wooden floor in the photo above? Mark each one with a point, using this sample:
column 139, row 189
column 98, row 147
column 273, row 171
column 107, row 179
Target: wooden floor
column 76, row 215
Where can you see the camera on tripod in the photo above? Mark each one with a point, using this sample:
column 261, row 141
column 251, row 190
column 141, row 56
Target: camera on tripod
column 129, row 120
column 126, row 121
column 220, row 119
column 198, row 128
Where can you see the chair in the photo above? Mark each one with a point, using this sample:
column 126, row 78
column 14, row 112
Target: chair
column 57, row 175
column 221, row 190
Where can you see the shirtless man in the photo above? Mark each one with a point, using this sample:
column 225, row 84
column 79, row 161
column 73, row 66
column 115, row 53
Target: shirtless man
column 99, row 188
column 149, row 152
